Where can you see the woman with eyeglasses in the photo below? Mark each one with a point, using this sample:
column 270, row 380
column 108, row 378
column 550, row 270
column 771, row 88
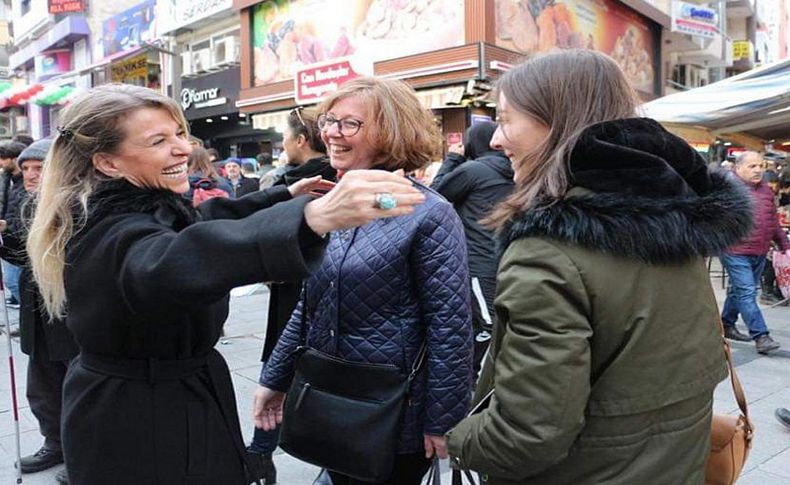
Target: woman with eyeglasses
column 385, row 289
column 307, row 153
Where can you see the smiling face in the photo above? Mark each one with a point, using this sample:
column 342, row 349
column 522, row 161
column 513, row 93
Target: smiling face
column 518, row 134
column 349, row 152
column 153, row 154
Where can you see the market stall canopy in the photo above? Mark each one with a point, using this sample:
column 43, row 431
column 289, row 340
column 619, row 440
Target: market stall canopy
column 756, row 103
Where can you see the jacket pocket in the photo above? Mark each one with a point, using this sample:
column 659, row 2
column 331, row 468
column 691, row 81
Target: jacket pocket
column 196, row 438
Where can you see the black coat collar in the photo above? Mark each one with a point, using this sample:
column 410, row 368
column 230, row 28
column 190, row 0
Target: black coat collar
column 645, row 194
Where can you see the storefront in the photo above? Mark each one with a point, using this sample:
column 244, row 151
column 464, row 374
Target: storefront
column 209, row 104
column 450, row 51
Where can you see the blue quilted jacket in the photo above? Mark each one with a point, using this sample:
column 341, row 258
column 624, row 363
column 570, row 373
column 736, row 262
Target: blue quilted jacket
column 381, row 290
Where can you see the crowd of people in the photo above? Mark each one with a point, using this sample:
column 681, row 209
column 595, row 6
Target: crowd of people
column 542, row 279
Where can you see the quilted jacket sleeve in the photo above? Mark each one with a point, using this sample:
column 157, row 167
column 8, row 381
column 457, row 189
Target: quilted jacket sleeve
column 278, row 371
column 439, row 260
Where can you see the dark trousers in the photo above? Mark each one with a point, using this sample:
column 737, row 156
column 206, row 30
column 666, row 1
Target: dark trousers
column 409, row 470
column 483, row 317
column 45, row 394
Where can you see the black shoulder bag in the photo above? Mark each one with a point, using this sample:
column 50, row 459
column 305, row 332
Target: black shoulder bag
column 345, row 416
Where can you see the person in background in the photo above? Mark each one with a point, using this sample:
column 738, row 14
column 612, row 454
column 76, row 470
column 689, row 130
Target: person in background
column 239, row 184
column 145, row 279
column 11, row 191
column 304, row 146
column 474, row 178
column 264, row 160
column 49, row 345
column 203, row 174
column 281, row 167
column 744, row 262
column 607, row 346
column 213, row 154
column 385, row 289
column 195, row 142
column 23, row 138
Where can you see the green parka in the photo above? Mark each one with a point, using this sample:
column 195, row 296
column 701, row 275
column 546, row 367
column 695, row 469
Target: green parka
column 607, row 349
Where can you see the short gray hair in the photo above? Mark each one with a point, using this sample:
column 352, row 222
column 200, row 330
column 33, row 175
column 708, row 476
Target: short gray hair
column 741, row 157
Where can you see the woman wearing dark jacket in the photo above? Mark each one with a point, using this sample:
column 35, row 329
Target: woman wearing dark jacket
column 146, row 280
column 384, row 289
column 307, row 152
column 474, row 178
column 608, row 346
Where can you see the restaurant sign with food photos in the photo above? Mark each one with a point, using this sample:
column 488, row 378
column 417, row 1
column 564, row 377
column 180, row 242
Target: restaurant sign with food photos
column 291, row 34
column 532, row 26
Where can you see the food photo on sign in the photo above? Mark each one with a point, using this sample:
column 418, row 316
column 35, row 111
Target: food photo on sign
column 530, row 26
column 290, row 34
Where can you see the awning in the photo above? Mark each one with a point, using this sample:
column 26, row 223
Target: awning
column 277, row 120
column 70, row 29
column 441, row 97
column 756, row 103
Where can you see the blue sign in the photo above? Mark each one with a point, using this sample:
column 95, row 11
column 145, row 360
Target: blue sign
column 129, row 28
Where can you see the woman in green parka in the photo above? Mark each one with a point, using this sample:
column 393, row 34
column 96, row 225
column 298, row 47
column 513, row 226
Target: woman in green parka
column 607, row 347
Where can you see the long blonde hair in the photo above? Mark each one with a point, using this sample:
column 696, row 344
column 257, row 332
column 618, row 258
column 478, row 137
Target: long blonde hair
column 567, row 91
column 405, row 133
column 91, row 124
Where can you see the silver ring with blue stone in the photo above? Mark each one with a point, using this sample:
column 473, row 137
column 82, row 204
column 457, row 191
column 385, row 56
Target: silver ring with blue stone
column 386, row 201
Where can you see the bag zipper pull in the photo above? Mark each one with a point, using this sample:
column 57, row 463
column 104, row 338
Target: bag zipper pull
column 305, row 388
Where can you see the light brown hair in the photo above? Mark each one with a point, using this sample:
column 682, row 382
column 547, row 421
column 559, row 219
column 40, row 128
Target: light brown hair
column 91, row 124
column 404, row 133
column 567, row 91
column 200, row 162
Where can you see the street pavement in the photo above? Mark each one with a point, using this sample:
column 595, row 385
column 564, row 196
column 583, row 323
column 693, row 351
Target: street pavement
column 765, row 378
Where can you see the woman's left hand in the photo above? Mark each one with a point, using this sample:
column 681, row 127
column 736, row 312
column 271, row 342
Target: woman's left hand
column 435, row 445
column 315, row 186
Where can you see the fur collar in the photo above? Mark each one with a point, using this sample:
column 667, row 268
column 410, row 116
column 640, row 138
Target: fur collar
column 644, row 196
column 113, row 197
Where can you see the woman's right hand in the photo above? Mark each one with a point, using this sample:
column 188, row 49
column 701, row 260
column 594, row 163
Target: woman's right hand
column 267, row 408
column 352, row 202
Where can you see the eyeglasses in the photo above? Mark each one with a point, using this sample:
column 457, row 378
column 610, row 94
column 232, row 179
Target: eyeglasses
column 346, row 126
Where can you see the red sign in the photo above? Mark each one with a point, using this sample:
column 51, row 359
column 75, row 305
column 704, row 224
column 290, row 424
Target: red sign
column 66, row 6
column 454, row 138
column 313, row 82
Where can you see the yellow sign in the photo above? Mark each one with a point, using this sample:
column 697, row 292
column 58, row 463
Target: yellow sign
column 741, row 49
column 128, row 69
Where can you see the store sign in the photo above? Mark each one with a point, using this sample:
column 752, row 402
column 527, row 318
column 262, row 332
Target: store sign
column 132, row 68
column 175, row 14
column 205, row 98
column 65, row 6
column 455, row 138
column 741, row 49
column 52, row 63
column 313, row 82
column 129, row 28
column 692, row 19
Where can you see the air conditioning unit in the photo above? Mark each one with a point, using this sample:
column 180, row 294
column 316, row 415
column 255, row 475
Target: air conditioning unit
column 226, row 52
column 201, row 60
column 186, row 63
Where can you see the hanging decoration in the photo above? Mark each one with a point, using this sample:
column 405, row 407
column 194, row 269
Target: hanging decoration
column 19, row 95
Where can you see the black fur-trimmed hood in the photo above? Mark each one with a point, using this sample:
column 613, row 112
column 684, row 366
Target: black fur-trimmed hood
column 641, row 193
column 113, row 197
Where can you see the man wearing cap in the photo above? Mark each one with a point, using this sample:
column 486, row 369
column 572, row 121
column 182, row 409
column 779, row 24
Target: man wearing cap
column 241, row 184
column 49, row 345
column 10, row 183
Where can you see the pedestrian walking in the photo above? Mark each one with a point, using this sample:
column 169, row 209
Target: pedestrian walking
column 474, row 178
column 49, row 345
column 386, row 289
column 745, row 261
column 146, row 278
column 607, row 346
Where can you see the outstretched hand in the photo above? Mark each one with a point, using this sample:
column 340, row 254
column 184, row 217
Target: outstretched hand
column 267, row 408
column 352, row 202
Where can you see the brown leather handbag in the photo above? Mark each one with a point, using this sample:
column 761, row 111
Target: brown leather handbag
column 730, row 436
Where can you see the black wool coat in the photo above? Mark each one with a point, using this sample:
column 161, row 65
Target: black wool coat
column 148, row 400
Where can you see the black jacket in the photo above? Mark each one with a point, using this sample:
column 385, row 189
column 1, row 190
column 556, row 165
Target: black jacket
column 283, row 296
column 37, row 334
column 149, row 400
column 246, row 186
column 474, row 185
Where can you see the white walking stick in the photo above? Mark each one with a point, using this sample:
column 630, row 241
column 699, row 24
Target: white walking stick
column 14, row 404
